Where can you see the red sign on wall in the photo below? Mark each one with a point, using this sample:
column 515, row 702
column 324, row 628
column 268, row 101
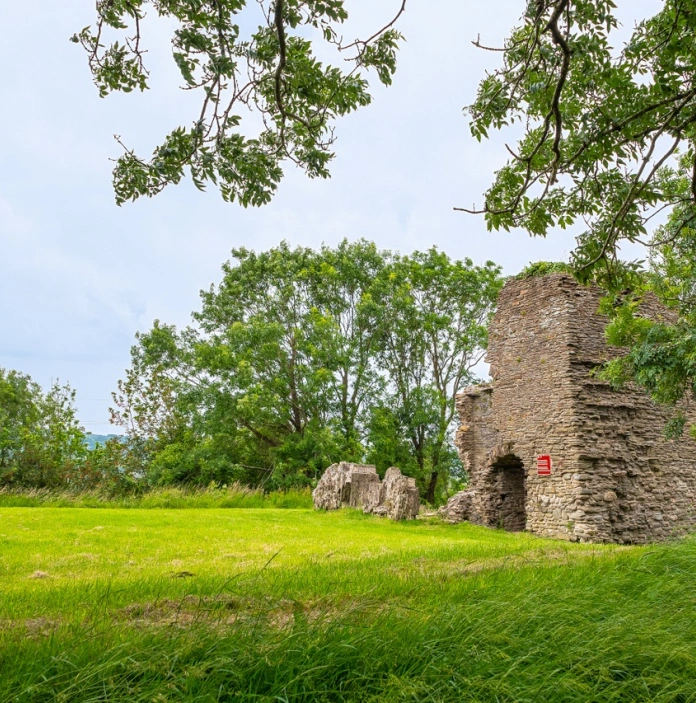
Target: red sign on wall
column 544, row 465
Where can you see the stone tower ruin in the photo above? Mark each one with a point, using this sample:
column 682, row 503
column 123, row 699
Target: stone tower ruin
column 553, row 450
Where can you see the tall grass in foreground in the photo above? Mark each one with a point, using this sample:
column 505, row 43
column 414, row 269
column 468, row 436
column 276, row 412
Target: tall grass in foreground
column 420, row 622
column 233, row 496
column 617, row 630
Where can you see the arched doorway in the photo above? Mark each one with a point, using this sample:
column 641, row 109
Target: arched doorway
column 509, row 494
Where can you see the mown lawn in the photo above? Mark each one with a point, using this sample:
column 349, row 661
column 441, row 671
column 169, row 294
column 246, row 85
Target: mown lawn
column 293, row 605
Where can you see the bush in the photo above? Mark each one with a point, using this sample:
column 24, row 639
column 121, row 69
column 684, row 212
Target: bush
column 41, row 443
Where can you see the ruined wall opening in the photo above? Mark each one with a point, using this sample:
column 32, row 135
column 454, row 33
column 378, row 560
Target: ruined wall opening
column 510, row 494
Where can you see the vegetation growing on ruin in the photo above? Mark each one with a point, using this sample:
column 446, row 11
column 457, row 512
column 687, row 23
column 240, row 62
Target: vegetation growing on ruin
column 301, row 606
column 543, row 268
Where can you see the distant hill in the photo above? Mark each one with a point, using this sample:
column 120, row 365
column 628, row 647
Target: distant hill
column 94, row 440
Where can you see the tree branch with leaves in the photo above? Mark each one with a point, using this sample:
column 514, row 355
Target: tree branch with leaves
column 268, row 72
column 602, row 130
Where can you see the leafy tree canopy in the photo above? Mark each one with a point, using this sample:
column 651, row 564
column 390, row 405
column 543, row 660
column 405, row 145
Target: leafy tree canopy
column 300, row 358
column 241, row 57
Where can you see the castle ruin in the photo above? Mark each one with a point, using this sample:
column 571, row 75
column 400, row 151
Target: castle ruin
column 552, row 449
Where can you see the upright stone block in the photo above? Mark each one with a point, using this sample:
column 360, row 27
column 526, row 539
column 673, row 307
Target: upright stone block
column 359, row 486
column 360, row 489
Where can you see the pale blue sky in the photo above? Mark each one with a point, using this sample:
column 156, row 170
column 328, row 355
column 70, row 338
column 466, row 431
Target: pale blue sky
column 79, row 275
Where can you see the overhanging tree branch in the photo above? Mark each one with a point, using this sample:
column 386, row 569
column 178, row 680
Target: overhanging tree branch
column 271, row 71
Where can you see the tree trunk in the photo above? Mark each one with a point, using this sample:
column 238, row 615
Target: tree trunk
column 430, row 496
column 296, row 418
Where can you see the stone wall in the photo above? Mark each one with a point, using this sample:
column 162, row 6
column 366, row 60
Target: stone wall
column 634, row 485
column 614, row 476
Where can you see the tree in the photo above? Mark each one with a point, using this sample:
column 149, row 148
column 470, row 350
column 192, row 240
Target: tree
column 270, row 70
column 276, row 374
column 609, row 142
column 41, row 442
column 662, row 353
column 147, row 407
column 288, row 333
column 300, row 358
column 435, row 317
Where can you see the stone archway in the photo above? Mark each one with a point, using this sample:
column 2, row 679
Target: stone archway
column 508, row 493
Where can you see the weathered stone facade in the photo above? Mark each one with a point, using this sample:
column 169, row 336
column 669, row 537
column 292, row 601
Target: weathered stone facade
column 614, row 477
column 359, row 486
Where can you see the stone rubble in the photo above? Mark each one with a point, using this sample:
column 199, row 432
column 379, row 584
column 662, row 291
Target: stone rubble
column 458, row 507
column 345, row 484
column 359, row 486
column 399, row 495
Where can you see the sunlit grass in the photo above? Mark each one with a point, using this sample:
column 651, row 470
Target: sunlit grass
column 140, row 552
column 224, row 605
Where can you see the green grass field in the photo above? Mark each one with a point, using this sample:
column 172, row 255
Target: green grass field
column 291, row 605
